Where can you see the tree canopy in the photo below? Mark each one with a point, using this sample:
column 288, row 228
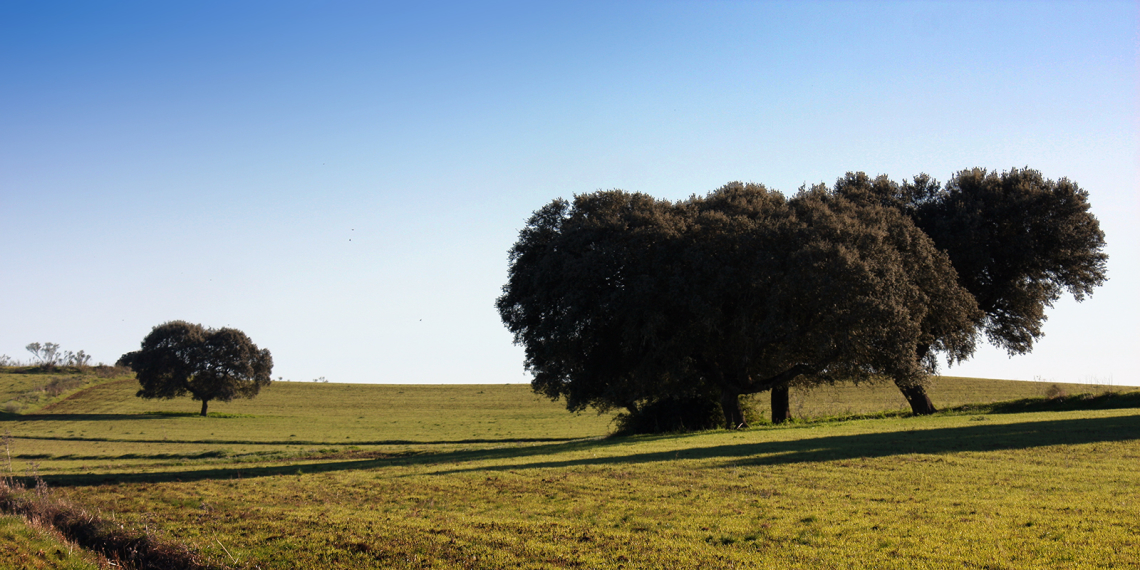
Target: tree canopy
column 619, row 298
column 584, row 299
column 1017, row 242
column 178, row 357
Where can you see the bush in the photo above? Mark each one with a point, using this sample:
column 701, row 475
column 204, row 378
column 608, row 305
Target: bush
column 48, row 356
column 1055, row 392
column 672, row 414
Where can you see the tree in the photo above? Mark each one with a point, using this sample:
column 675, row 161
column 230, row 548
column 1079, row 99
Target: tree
column 583, row 297
column 1016, row 240
column 47, row 354
column 620, row 299
column 823, row 287
column 178, row 357
column 882, row 191
column 78, row 359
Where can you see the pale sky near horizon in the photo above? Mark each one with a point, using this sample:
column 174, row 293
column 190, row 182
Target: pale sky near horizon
column 342, row 180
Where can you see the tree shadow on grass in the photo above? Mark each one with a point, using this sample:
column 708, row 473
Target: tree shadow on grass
column 6, row 417
column 1063, row 403
column 977, row 438
column 310, row 464
column 339, row 443
column 9, row 417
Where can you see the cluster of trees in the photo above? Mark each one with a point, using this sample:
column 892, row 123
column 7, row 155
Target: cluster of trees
column 48, row 355
column 623, row 300
column 179, row 358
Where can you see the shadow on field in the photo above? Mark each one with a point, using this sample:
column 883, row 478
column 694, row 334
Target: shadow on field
column 6, row 417
column 303, row 465
column 106, row 457
column 277, row 442
column 980, row 437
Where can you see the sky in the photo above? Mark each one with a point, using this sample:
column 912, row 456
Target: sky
column 342, row 180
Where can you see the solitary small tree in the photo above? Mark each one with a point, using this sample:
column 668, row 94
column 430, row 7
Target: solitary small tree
column 178, row 357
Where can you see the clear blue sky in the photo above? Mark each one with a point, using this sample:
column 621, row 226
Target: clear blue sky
column 342, row 180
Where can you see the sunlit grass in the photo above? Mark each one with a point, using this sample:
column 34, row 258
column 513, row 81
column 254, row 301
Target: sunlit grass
column 357, row 476
column 25, row 546
column 1014, row 490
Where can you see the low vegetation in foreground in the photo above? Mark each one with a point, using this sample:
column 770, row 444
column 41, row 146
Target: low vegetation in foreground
column 39, row 547
column 446, row 477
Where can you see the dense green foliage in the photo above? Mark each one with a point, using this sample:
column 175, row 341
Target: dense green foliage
column 178, row 357
column 1016, row 240
column 671, row 413
column 621, row 300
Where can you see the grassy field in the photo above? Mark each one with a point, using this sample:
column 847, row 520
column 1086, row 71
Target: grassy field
column 26, row 546
column 355, row 476
column 26, row 389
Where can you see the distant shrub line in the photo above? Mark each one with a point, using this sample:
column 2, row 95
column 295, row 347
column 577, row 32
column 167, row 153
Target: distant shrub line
column 48, row 356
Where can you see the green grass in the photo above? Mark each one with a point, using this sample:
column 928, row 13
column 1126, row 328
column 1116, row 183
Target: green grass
column 26, row 389
column 1050, row 489
column 336, row 476
column 27, row 547
column 107, row 428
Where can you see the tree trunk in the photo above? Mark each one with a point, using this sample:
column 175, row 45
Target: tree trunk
column 781, row 409
column 204, row 402
column 920, row 404
column 733, row 413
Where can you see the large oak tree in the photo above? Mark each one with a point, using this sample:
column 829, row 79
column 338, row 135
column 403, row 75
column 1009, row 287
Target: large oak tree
column 820, row 286
column 619, row 298
column 178, row 357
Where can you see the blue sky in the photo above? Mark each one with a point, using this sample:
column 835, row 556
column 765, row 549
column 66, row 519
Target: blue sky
column 342, row 181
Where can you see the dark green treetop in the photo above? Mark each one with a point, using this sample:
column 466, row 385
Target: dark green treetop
column 1017, row 240
column 619, row 298
column 178, row 357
